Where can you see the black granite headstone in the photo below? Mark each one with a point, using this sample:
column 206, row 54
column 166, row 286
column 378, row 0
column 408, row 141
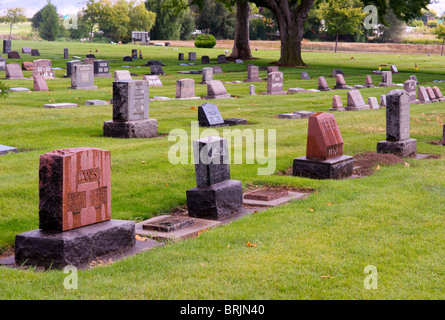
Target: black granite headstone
column 35, row 53
column 209, row 115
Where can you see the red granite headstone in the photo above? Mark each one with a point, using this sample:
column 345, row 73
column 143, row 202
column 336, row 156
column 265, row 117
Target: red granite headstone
column 74, row 188
column 324, row 139
column 27, row 65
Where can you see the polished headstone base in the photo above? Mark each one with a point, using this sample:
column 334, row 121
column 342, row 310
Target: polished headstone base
column 51, row 249
column 405, row 148
column 215, row 202
column 131, row 129
column 335, row 168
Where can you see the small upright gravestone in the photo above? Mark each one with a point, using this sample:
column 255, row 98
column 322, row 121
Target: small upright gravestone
column 410, row 87
column 192, row 56
column 222, row 59
column 322, row 84
column 373, row 103
column 26, row 50
column 42, row 67
column 217, row 69
column 252, row 90
column 82, row 77
column 386, row 79
column 89, row 61
column 324, row 152
column 69, row 67
column 413, row 77
column 438, row 94
column 156, row 69
column 383, row 101
column 35, row 53
column 431, row 95
column 216, row 90
column 130, row 111
column 180, row 56
column 394, row 69
column 27, row 66
column 337, row 104
column 337, row 71
column 355, row 101
column 272, row 69
column 207, row 75
column 102, row 69
column 275, row 84
column 209, row 116
column 397, row 141
column 14, row 72
column 122, row 75
column 205, row 59
column 6, row 45
column 2, row 64
column 423, row 96
column 369, row 83
column 185, row 89
column 153, row 81
column 75, row 223
column 39, row 83
column 341, row 83
column 65, row 53
column 305, row 76
column 216, row 196
column 252, row 74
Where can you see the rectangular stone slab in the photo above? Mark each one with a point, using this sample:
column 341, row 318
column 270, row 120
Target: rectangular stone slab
column 6, row 149
column 266, row 194
column 60, row 105
column 169, row 223
column 75, row 247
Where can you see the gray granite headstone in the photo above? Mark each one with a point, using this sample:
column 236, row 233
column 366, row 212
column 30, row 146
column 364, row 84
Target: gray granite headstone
column 252, row 90
column 217, row 69
column 410, row 87
column 153, row 81
column 181, row 56
column 6, row 45
column 65, row 53
column 35, row 53
column 205, row 59
column 122, row 75
column 209, row 115
column 222, row 59
column 14, row 71
column 207, row 75
column 82, row 77
column 423, row 96
column 337, row 104
column 192, row 56
column 355, row 101
column 305, row 76
column 386, row 79
column 102, row 68
column 26, row 50
column 185, row 89
column 156, row 69
column 216, row 90
column 39, row 83
column 69, row 66
column 130, row 100
column 252, row 74
column 2, row 64
column 275, row 83
column 322, row 84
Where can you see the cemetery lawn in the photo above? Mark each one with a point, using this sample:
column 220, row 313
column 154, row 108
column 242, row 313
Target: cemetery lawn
column 316, row 248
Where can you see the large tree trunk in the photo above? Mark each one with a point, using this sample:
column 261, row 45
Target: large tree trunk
column 241, row 44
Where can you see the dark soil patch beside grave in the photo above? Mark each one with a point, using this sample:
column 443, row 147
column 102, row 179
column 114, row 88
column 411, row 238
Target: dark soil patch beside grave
column 365, row 162
column 436, row 142
column 7, row 253
column 251, row 187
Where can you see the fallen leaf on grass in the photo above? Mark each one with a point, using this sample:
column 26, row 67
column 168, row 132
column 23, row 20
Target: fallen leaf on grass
column 407, row 164
column 250, row 244
column 311, row 210
column 139, row 238
column 193, row 108
column 378, row 167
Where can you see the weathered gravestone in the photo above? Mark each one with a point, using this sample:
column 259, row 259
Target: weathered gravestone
column 394, row 69
column 74, row 212
column 386, row 79
column 209, row 116
column 216, row 196
column 185, row 89
column 397, row 141
column 337, row 104
column 341, row 83
column 205, row 59
column 322, row 84
column 39, row 83
column 69, row 67
column 438, row 94
column 217, row 69
column 423, row 96
column 89, row 61
column 216, row 90
column 42, row 67
column 35, row 53
column 153, row 81
column 413, row 77
column 373, row 103
column 383, row 101
column 305, row 76
column 65, row 53
column 410, row 87
column 207, row 75
column 27, row 66
column 122, row 75
column 180, row 56
column 252, row 90
column 324, row 152
column 131, row 111
column 192, row 56
column 431, row 95
column 102, row 68
column 355, row 101
column 82, row 77
column 6, row 45
column 275, row 84
column 156, row 69
column 26, row 50
column 2, row 64
column 222, row 59
column 13, row 55
column 252, row 74
column 14, row 72
column 369, row 83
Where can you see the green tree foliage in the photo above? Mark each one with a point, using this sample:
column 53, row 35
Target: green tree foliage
column 12, row 17
column 392, row 30
column 169, row 18
column 188, row 25
column 216, row 19
column 342, row 17
column 50, row 26
column 439, row 32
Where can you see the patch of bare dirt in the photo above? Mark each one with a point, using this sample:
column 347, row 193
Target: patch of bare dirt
column 364, row 163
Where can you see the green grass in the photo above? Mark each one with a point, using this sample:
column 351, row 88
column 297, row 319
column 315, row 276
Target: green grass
column 315, row 248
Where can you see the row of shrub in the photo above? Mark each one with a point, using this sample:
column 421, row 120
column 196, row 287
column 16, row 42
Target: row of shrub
column 421, row 41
